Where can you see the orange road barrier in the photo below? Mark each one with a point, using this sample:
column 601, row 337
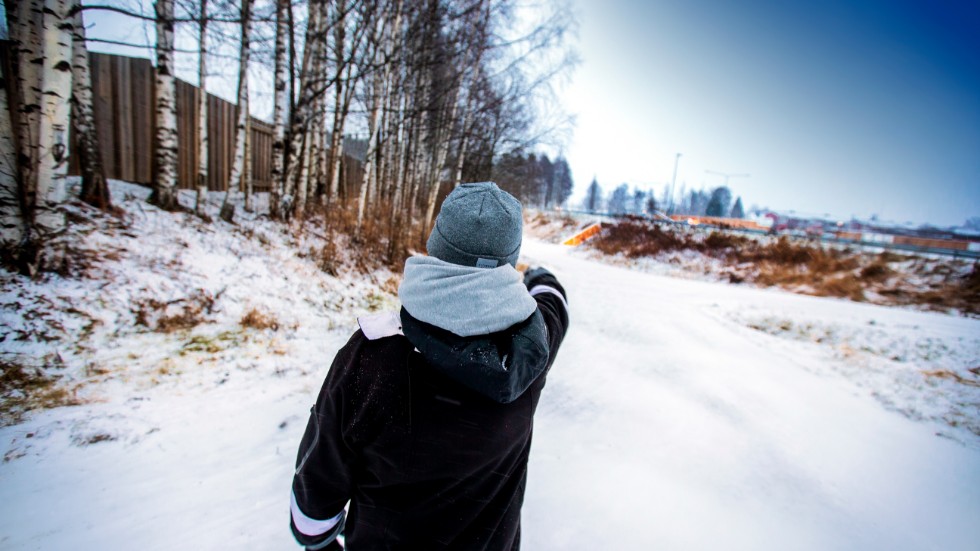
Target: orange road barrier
column 583, row 235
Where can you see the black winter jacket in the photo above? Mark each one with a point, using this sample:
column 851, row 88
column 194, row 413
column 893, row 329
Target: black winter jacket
column 427, row 434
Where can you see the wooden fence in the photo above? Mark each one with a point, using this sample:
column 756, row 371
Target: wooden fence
column 123, row 96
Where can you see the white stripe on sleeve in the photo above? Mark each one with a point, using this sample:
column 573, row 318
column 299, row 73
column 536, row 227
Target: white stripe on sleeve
column 310, row 526
column 538, row 289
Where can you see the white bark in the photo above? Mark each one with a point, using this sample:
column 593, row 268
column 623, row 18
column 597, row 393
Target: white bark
column 296, row 164
column 56, row 80
column 279, row 110
column 25, row 32
column 11, row 215
column 247, row 167
column 317, row 152
column 241, row 127
column 339, row 107
column 369, row 155
column 95, row 190
column 202, row 113
column 303, row 172
column 463, row 142
column 434, row 176
column 165, row 140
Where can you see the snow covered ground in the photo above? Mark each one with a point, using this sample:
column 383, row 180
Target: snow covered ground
column 680, row 414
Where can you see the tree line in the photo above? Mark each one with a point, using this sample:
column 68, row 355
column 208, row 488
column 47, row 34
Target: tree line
column 444, row 91
column 622, row 200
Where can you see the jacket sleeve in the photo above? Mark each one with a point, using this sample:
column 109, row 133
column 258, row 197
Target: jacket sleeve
column 553, row 304
column 322, row 482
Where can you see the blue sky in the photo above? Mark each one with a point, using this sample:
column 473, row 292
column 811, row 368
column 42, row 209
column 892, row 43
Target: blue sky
column 840, row 108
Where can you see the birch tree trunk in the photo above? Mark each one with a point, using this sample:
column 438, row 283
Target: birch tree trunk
column 247, row 167
column 56, row 83
column 303, row 179
column 339, row 47
column 434, row 175
column 279, row 110
column 202, row 114
column 165, row 141
column 463, row 142
column 369, row 155
column 238, row 164
column 12, row 230
column 95, row 189
column 299, row 146
column 25, row 31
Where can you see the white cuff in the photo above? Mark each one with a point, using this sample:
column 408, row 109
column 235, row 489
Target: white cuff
column 310, row 526
column 538, row 289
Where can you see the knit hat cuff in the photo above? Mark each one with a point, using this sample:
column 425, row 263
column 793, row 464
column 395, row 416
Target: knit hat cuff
column 440, row 247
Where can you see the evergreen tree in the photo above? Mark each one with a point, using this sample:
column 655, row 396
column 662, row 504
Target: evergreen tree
column 639, row 201
column 619, row 199
column 738, row 211
column 651, row 206
column 721, row 197
column 593, row 197
column 563, row 181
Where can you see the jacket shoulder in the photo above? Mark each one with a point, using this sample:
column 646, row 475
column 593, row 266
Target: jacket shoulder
column 380, row 325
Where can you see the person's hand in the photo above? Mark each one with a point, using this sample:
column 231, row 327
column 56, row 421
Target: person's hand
column 531, row 275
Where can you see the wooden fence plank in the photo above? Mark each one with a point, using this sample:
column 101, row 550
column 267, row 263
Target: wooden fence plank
column 102, row 97
column 122, row 107
column 142, row 119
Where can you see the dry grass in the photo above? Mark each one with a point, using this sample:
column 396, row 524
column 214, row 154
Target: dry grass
column 26, row 388
column 174, row 315
column 952, row 376
column 258, row 319
column 549, row 226
column 379, row 241
column 806, row 267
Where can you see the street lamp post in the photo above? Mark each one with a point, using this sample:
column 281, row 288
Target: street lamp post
column 670, row 198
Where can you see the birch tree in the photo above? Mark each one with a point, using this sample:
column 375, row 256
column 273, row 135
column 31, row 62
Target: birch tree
column 381, row 43
column 95, row 189
column 165, row 98
column 238, row 167
column 12, row 229
column 24, row 18
column 280, row 106
column 202, row 113
column 302, row 114
column 56, row 81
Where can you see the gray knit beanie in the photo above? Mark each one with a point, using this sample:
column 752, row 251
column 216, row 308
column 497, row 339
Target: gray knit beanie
column 480, row 225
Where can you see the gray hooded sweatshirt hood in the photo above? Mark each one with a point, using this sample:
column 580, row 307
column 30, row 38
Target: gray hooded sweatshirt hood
column 464, row 300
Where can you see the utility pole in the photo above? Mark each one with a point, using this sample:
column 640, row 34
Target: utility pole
column 727, row 175
column 670, row 198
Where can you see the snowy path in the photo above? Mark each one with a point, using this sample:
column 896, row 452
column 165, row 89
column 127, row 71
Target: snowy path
column 666, row 426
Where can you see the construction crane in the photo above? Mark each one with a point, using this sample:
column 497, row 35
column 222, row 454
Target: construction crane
column 727, row 175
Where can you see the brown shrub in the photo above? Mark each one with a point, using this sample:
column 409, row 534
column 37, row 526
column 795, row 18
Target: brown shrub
column 25, row 388
column 379, row 241
column 971, row 286
column 257, row 319
column 805, row 267
column 953, row 376
column 844, row 286
column 877, row 271
column 782, row 251
column 723, row 241
column 174, row 315
column 636, row 239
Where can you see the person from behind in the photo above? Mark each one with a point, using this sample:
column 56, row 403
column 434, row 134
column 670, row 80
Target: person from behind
column 420, row 435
